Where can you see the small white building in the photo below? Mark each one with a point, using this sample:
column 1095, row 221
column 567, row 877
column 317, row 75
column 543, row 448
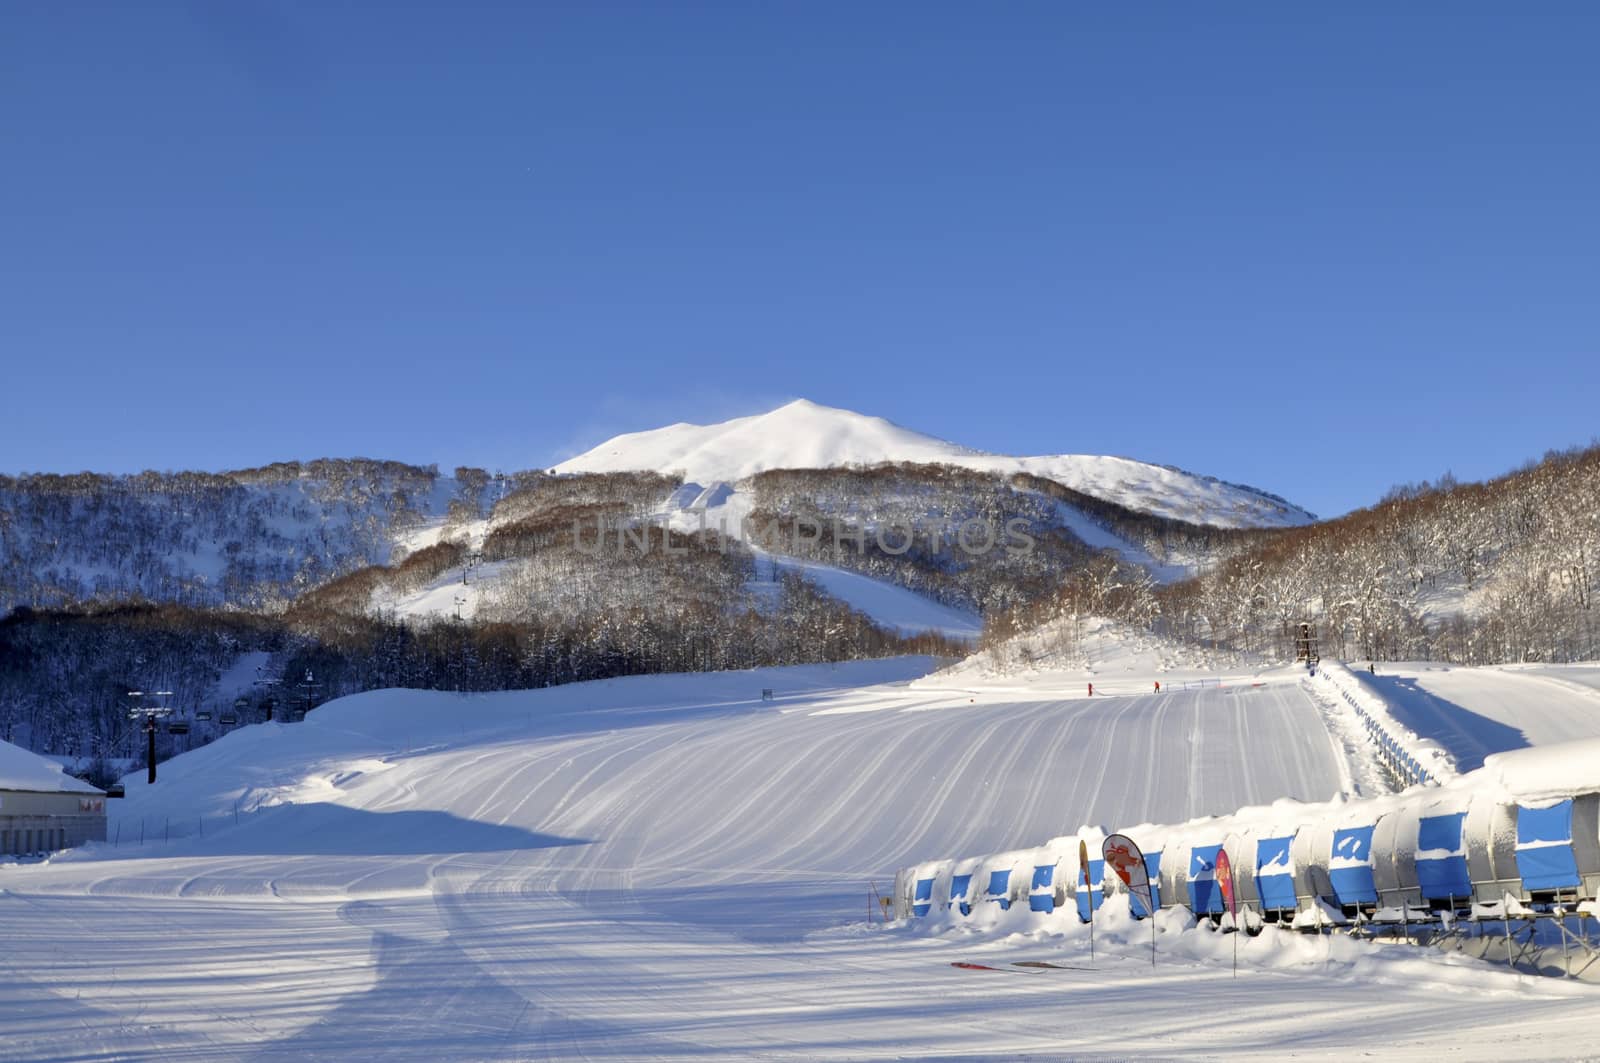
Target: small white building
column 42, row 808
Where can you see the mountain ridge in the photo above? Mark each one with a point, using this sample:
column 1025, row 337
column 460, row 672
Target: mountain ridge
column 805, row 434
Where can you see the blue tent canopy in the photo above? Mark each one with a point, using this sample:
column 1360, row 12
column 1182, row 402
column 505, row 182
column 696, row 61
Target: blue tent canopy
column 1042, row 896
column 1274, row 878
column 1545, row 859
column 1351, row 870
column 922, row 900
column 1204, row 895
column 1095, row 895
column 1441, row 858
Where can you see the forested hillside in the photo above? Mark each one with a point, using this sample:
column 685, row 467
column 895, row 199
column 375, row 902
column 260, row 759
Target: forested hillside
column 1472, row 573
column 987, row 541
column 168, row 580
column 65, row 675
column 248, row 538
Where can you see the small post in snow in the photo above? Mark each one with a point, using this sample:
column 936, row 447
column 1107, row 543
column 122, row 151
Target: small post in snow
column 1088, row 890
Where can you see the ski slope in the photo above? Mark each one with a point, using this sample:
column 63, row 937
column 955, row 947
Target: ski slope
column 673, row 867
column 894, row 608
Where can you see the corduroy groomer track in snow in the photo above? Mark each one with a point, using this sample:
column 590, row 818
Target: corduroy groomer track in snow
column 670, row 867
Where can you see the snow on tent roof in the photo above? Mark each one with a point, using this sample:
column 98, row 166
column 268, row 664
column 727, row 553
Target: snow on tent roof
column 1547, row 772
column 25, row 771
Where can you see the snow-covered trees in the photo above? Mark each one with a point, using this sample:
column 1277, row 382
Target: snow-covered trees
column 249, row 538
column 950, row 533
column 1476, row 573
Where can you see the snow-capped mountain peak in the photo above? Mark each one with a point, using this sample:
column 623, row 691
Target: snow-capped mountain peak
column 798, row 435
column 806, row 435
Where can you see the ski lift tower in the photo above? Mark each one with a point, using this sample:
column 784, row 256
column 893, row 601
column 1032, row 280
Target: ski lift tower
column 1305, row 642
column 307, row 686
column 267, row 683
column 149, row 714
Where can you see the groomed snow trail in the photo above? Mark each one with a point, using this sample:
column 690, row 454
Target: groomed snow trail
column 667, row 867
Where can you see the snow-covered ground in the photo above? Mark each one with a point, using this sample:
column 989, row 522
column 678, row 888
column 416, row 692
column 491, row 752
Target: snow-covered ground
column 1474, row 712
column 805, row 435
column 1066, row 654
column 672, row 866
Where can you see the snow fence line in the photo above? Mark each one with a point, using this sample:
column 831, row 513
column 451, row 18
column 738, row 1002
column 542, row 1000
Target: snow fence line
column 1516, row 841
column 1410, row 757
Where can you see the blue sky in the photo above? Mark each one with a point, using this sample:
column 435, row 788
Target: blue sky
column 1320, row 249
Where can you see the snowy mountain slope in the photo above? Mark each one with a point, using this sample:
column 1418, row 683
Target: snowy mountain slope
column 890, row 607
column 448, row 596
column 803, row 434
column 668, row 866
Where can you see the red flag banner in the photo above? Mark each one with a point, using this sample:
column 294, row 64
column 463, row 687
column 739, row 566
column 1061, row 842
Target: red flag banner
column 1224, row 875
column 1123, row 856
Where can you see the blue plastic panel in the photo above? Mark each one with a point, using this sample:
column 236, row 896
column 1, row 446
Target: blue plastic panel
column 922, row 900
column 1152, row 868
column 1443, row 876
column 1274, row 874
column 1043, row 897
column 1096, row 895
column 1545, row 859
column 999, row 883
column 1352, row 884
column 958, row 892
column 1204, row 895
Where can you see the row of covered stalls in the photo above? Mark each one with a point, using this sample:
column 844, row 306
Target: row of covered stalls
column 1434, row 863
